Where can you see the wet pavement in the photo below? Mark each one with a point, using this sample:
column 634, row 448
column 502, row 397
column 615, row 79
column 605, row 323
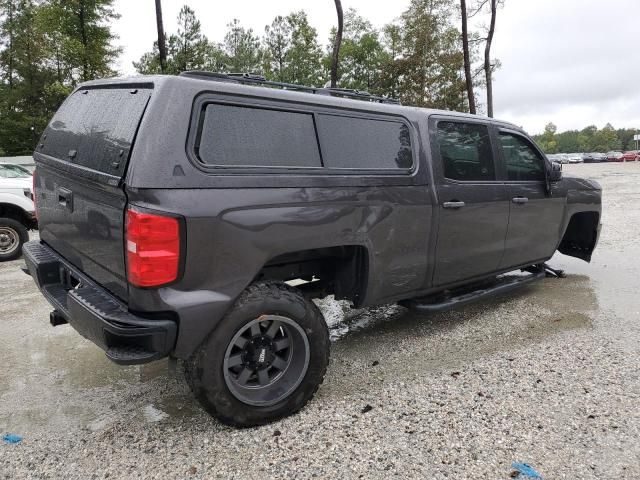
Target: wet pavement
column 548, row 375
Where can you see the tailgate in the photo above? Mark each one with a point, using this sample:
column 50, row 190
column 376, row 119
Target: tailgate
column 81, row 160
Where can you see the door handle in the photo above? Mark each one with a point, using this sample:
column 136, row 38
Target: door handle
column 453, row 204
column 65, row 198
column 520, row 200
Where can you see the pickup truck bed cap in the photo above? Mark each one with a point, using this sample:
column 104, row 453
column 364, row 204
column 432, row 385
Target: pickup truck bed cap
column 235, row 88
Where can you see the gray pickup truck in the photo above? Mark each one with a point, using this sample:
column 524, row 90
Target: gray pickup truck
column 176, row 213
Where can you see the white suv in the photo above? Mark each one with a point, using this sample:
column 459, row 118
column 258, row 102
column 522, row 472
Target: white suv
column 17, row 211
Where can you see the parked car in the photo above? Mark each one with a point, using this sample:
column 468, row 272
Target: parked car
column 631, row 156
column 14, row 167
column 615, row 156
column 554, row 157
column 369, row 201
column 594, row 157
column 30, row 167
column 575, row 158
column 24, row 167
column 17, row 213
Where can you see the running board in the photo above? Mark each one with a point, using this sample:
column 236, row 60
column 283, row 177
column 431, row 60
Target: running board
column 502, row 285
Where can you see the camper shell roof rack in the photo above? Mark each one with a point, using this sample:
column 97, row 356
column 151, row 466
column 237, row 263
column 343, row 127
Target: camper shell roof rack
column 259, row 80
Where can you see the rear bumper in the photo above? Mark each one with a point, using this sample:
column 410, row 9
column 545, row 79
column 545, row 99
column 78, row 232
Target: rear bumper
column 97, row 315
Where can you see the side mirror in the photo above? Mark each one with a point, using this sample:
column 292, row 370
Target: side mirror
column 555, row 172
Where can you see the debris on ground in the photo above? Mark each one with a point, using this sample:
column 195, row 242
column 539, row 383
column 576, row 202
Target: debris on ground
column 11, row 438
column 524, row 471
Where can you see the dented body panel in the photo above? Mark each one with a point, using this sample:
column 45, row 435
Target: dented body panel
column 233, row 234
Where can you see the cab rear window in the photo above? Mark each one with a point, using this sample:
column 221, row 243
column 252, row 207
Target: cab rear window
column 95, row 128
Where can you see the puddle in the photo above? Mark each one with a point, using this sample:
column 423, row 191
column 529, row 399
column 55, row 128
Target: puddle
column 558, row 303
column 408, row 344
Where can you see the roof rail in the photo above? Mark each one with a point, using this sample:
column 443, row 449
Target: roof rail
column 252, row 79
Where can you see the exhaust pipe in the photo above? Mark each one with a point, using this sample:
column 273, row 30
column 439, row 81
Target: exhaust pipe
column 56, row 318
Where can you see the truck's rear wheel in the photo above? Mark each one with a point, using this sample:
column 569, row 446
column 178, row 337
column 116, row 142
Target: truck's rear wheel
column 266, row 358
column 12, row 236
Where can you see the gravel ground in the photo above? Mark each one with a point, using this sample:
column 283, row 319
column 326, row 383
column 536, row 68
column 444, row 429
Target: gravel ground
column 547, row 376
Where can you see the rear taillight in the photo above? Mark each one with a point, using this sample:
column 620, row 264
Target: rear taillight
column 153, row 248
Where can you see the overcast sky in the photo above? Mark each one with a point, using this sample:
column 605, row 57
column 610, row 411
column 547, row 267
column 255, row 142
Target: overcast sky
column 571, row 62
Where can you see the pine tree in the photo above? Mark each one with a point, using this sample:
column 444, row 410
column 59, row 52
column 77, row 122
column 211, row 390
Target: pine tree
column 189, row 46
column 305, row 54
column 85, row 37
column 277, row 42
column 23, row 108
column 242, row 48
column 46, row 47
column 187, row 49
column 432, row 67
column 362, row 55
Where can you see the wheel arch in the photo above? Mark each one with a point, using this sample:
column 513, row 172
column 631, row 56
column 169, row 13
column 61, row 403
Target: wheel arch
column 342, row 271
column 580, row 236
column 16, row 212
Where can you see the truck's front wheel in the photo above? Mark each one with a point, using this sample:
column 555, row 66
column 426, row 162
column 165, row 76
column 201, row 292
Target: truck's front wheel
column 266, row 358
column 12, row 236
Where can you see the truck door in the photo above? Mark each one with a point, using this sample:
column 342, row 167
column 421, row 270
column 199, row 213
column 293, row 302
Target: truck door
column 473, row 204
column 535, row 216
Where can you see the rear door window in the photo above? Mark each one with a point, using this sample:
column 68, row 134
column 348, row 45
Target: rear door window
column 523, row 161
column 95, row 128
column 466, row 152
column 362, row 143
column 257, row 137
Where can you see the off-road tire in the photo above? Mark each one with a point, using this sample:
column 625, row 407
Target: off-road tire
column 20, row 231
column 205, row 371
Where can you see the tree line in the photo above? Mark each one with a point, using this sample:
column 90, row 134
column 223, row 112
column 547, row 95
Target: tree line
column 417, row 58
column 589, row 139
column 46, row 48
column 428, row 57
